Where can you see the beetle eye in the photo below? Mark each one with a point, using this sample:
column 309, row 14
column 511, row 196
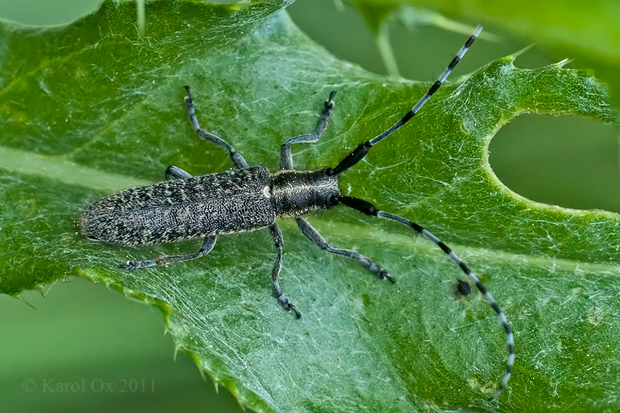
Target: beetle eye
column 332, row 201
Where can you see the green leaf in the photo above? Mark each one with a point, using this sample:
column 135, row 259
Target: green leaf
column 91, row 108
column 587, row 32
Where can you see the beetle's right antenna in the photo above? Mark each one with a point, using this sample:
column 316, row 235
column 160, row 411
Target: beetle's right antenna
column 369, row 209
column 360, row 152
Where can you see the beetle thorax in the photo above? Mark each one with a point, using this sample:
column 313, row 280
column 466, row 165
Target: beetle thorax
column 297, row 193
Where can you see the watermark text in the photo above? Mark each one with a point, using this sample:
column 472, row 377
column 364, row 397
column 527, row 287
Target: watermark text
column 90, row 385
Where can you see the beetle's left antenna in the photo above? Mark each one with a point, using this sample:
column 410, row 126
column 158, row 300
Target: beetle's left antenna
column 360, row 152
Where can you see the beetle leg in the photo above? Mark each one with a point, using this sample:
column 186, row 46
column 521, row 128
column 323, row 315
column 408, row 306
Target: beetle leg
column 276, row 233
column 237, row 159
column 314, row 236
column 207, row 246
column 286, row 159
column 174, row 172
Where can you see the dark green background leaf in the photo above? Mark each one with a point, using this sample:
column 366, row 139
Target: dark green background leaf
column 92, row 108
column 587, row 32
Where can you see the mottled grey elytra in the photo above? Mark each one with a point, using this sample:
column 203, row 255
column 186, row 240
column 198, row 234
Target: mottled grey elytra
column 249, row 198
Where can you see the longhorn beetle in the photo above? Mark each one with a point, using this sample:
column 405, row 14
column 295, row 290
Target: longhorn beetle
column 248, row 198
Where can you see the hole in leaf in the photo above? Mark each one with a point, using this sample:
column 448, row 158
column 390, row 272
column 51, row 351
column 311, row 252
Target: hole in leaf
column 567, row 161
